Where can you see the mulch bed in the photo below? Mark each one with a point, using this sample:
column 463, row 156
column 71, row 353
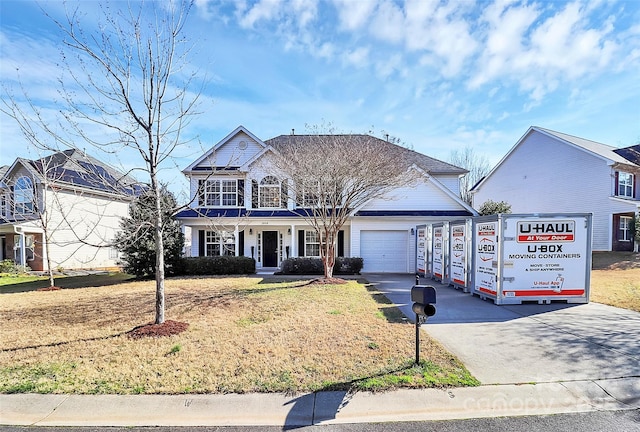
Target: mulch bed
column 51, row 288
column 167, row 328
column 328, row 281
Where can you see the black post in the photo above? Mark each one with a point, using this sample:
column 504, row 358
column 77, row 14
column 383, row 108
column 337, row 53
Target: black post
column 417, row 340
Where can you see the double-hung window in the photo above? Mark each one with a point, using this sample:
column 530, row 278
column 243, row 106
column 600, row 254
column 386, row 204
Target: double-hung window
column 311, row 244
column 219, row 243
column 220, row 193
column 624, row 233
column 625, row 184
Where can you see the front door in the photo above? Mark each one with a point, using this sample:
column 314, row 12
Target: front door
column 270, row 248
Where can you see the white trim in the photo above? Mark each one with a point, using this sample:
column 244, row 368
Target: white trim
column 220, row 143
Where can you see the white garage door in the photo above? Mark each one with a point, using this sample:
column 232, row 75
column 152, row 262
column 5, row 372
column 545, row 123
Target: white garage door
column 384, row 251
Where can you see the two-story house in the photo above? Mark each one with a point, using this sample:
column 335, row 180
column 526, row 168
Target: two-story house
column 68, row 205
column 552, row 172
column 239, row 208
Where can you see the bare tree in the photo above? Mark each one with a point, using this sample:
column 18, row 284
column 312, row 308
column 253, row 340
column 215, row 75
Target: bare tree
column 125, row 89
column 331, row 176
column 477, row 165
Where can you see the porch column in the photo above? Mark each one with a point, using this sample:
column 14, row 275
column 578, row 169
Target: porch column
column 236, row 237
column 294, row 243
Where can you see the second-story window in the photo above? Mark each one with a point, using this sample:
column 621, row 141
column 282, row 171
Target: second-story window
column 625, row 184
column 3, row 206
column 24, row 196
column 270, row 192
column 221, row 193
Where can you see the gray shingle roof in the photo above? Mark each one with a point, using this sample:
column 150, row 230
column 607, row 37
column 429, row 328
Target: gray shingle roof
column 429, row 164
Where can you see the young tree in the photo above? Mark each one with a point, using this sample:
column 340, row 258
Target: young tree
column 331, row 176
column 136, row 239
column 491, row 207
column 477, row 165
column 125, row 90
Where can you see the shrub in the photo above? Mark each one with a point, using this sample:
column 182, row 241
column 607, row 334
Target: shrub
column 216, row 265
column 491, row 207
column 9, row 266
column 314, row 266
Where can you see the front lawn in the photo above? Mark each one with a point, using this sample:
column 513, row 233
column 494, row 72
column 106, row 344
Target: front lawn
column 245, row 334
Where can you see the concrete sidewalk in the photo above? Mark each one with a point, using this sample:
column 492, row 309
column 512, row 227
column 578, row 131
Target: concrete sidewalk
column 319, row 408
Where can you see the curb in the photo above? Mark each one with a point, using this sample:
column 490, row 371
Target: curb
column 320, row 408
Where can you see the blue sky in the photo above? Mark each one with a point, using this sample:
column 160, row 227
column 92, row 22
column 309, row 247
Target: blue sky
column 439, row 75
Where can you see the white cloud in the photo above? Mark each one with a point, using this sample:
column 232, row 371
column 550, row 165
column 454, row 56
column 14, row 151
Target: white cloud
column 358, row 57
column 353, row 15
column 263, row 10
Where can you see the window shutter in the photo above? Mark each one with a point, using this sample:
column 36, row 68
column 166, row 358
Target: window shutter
column 254, row 194
column 284, row 193
column 241, row 243
column 201, row 243
column 200, row 193
column 240, row 193
column 635, row 186
column 301, row 243
column 341, row 243
column 617, row 185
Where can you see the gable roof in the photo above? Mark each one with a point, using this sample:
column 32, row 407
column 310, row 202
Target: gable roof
column 220, row 143
column 599, row 149
column 77, row 169
column 426, row 163
column 607, row 153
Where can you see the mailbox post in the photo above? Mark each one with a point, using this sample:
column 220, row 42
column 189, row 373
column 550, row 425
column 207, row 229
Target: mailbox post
column 424, row 299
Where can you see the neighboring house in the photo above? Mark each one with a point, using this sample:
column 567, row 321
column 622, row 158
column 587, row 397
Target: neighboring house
column 241, row 212
column 548, row 171
column 69, row 198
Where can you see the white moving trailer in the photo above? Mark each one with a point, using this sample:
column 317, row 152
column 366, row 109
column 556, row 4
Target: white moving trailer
column 532, row 258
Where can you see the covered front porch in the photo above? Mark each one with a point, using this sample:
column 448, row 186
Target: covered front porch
column 269, row 243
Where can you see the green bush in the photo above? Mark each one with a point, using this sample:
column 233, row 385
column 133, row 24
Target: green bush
column 216, row 265
column 314, row 266
column 9, row 266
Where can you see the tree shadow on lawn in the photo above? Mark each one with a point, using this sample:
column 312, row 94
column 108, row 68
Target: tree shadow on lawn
column 69, row 282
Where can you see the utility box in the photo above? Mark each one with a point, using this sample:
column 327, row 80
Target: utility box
column 532, row 258
column 440, row 252
column 460, row 254
column 423, row 250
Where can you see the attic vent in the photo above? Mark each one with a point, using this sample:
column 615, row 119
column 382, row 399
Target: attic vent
column 242, row 145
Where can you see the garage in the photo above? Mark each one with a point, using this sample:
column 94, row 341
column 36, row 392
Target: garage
column 384, row 251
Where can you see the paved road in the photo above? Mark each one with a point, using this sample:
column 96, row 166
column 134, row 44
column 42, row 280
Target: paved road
column 612, row 421
column 528, row 343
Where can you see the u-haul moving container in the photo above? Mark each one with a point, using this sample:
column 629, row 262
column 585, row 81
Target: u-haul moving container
column 541, row 257
column 423, row 249
column 440, row 252
column 460, row 254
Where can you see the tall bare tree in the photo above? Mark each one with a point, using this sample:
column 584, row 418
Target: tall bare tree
column 125, row 89
column 330, row 176
column 477, row 165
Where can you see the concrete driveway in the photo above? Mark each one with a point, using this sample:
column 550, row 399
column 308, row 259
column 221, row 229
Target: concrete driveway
column 526, row 343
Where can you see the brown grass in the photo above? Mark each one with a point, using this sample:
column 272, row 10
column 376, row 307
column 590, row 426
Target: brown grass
column 244, row 335
column 620, row 288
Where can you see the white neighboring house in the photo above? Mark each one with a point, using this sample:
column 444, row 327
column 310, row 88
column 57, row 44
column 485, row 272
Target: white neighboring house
column 238, row 215
column 69, row 198
column 552, row 172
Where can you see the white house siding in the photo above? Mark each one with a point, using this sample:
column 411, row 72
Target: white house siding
column 451, row 182
column 230, row 154
column 77, row 219
column 422, row 196
column 543, row 175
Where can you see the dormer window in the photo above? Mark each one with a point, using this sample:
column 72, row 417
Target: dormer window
column 24, row 196
column 624, row 184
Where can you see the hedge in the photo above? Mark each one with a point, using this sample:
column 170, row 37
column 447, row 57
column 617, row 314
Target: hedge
column 314, row 266
column 217, row 265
